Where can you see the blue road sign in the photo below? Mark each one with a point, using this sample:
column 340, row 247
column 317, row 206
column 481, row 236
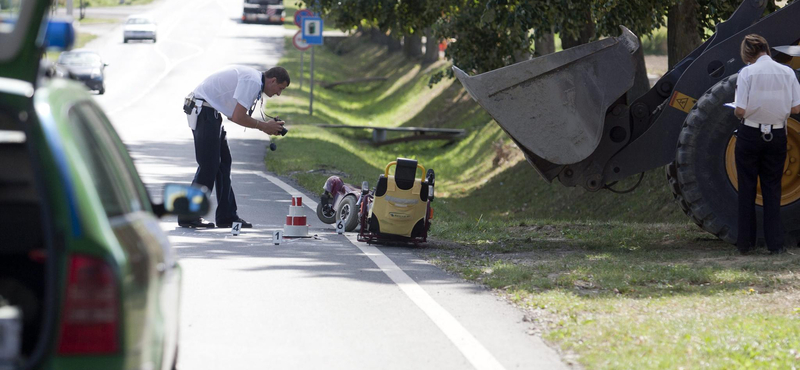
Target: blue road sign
column 300, row 14
column 312, row 30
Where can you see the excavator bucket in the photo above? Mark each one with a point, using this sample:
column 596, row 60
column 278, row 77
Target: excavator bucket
column 555, row 105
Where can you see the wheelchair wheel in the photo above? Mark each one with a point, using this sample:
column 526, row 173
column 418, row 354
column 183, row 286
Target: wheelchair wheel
column 348, row 212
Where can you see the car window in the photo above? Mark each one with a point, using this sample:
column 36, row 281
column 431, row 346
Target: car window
column 15, row 17
column 138, row 21
column 131, row 176
column 107, row 169
column 9, row 12
column 79, row 59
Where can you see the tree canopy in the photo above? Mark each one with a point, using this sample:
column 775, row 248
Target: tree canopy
column 488, row 34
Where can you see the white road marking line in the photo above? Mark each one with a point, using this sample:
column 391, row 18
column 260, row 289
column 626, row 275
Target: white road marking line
column 470, row 347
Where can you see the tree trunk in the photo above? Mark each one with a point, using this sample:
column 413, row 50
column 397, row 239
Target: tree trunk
column 641, row 84
column 412, row 46
column 544, row 44
column 431, row 47
column 522, row 55
column 393, row 43
column 682, row 35
column 377, row 36
column 586, row 33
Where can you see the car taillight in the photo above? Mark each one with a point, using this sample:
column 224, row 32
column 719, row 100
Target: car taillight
column 89, row 322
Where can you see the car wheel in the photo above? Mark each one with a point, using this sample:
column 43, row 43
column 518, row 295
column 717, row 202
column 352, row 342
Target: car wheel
column 348, row 213
column 124, row 41
column 154, row 40
column 102, row 90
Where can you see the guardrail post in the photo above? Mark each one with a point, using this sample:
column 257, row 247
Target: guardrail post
column 378, row 135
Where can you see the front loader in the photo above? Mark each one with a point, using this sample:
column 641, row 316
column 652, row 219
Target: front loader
column 569, row 112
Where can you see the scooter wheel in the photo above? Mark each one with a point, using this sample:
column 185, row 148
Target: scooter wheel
column 348, row 212
column 321, row 214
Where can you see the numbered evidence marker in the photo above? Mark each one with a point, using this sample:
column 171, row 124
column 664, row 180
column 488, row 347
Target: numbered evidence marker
column 277, row 237
column 340, row 226
column 237, row 226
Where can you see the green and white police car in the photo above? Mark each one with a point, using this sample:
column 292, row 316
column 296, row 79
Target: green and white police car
column 87, row 278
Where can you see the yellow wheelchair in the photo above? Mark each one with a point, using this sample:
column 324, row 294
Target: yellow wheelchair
column 400, row 209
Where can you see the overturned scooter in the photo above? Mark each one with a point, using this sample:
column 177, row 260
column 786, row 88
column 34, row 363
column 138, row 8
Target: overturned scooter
column 339, row 202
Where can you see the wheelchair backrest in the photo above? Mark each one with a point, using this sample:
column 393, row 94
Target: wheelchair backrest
column 405, row 173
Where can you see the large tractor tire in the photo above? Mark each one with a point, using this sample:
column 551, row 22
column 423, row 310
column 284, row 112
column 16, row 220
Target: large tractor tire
column 705, row 168
column 671, row 171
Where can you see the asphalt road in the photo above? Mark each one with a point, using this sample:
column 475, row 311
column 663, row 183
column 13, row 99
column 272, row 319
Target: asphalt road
column 326, row 302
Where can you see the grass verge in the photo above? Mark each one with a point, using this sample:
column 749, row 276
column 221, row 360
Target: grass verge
column 643, row 296
column 81, row 39
column 86, row 21
column 107, row 3
column 620, row 281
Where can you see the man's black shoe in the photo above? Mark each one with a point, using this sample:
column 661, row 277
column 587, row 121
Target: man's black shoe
column 778, row 251
column 198, row 223
column 245, row 224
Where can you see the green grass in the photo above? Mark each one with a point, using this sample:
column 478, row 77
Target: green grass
column 85, row 21
column 81, row 39
column 105, row 3
column 656, row 42
column 620, row 281
column 644, row 296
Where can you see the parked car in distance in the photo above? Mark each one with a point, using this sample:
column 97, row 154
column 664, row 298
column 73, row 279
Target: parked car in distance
column 139, row 27
column 88, row 279
column 85, row 66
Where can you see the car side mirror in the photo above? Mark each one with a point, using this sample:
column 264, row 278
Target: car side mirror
column 364, row 188
column 184, row 200
column 105, row 64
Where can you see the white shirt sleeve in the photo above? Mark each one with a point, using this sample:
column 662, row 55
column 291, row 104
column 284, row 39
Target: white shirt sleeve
column 246, row 90
column 795, row 91
column 742, row 89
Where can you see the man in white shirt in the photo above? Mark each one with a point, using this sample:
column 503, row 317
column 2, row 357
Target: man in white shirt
column 234, row 92
column 766, row 94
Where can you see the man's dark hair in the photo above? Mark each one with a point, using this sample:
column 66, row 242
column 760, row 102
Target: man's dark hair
column 753, row 45
column 280, row 74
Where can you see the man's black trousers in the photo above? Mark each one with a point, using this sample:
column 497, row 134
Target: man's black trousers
column 756, row 158
column 214, row 162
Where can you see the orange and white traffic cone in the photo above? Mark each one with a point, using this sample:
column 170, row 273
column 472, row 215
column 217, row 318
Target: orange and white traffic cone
column 296, row 226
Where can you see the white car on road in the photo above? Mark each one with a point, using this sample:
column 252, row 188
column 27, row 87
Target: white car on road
column 139, row 27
